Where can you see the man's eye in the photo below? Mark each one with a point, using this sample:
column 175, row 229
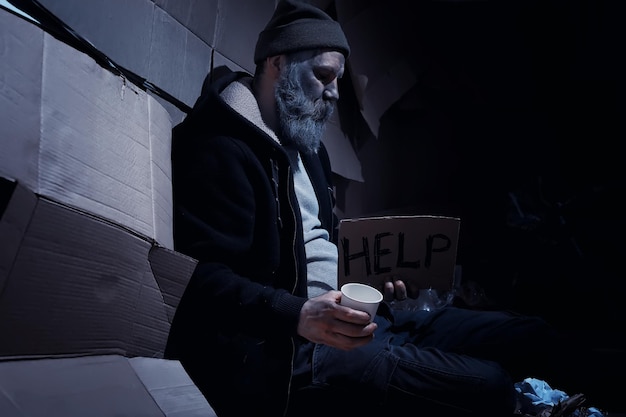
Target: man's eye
column 325, row 76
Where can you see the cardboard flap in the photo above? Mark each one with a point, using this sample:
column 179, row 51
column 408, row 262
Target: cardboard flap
column 176, row 395
column 172, row 272
column 74, row 283
column 14, row 220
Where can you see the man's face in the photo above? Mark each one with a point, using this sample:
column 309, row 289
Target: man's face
column 306, row 94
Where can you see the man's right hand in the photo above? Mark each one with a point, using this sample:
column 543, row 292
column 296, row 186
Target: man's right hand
column 323, row 320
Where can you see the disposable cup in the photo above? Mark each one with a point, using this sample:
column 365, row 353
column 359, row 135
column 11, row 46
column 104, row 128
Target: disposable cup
column 361, row 297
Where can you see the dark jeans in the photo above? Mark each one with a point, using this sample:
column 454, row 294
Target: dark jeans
column 453, row 361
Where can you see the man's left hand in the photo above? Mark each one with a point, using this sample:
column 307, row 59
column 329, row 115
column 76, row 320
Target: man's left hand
column 395, row 289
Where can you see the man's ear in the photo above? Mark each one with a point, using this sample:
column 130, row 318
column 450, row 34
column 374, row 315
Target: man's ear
column 274, row 64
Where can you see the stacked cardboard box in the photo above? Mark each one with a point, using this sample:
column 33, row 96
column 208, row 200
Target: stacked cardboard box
column 89, row 280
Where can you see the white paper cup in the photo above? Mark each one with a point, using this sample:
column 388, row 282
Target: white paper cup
column 361, row 297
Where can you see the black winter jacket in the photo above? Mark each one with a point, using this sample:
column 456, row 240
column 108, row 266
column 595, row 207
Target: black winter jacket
column 235, row 211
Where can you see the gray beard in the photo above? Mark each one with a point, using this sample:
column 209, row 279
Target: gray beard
column 301, row 121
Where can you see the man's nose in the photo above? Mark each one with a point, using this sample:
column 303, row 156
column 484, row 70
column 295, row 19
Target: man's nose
column 331, row 91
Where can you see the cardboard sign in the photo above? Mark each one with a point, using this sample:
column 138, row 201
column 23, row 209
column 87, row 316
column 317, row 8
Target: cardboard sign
column 421, row 250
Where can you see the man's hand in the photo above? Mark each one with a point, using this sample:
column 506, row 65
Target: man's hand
column 323, row 320
column 395, row 289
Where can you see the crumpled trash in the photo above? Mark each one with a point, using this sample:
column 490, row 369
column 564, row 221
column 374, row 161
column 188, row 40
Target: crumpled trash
column 536, row 396
column 427, row 300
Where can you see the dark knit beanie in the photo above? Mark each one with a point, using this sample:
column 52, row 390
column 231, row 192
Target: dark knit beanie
column 296, row 26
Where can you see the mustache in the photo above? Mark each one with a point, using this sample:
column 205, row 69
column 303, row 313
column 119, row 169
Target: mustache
column 300, row 107
column 323, row 110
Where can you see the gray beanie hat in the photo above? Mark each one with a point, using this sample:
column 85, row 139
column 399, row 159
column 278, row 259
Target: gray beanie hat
column 297, row 26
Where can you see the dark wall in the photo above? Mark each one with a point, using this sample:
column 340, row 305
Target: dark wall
column 516, row 125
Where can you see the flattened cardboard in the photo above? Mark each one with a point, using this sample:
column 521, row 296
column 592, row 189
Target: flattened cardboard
column 176, row 394
column 195, row 15
column 179, row 60
column 343, row 159
column 121, row 29
column 20, row 96
column 99, row 386
column 74, row 283
column 237, row 28
column 380, row 82
column 419, row 249
column 169, row 45
column 79, row 134
column 220, row 60
column 160, row 129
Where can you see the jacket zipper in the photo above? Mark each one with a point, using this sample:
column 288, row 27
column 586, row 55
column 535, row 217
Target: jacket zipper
column 276, row 197
column 291, row 191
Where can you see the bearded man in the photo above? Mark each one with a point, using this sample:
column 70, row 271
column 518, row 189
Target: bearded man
column 253, row 196
column 260, row 328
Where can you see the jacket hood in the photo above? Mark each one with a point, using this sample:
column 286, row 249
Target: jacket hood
column 228, row 99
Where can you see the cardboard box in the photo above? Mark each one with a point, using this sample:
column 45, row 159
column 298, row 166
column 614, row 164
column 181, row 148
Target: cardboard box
column 99, row 386
column 73, row 131
column 74, row 283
